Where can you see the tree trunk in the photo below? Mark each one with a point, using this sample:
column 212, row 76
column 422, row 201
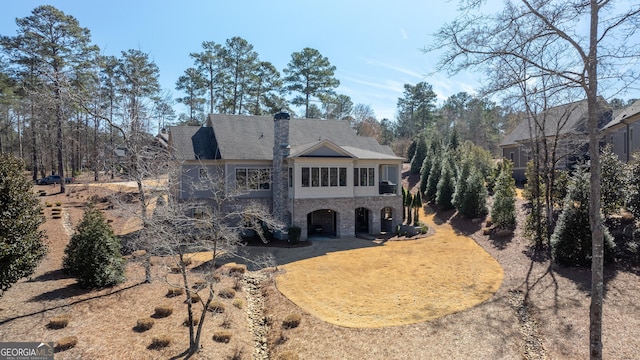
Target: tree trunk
column 595, row 221
column 59, row 140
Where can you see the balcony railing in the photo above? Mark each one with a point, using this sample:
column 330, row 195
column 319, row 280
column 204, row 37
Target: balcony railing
column 387, row 187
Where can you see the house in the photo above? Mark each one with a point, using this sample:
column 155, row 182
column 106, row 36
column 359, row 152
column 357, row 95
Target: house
column 565, row 125
column 623, row 132
column 315, row 174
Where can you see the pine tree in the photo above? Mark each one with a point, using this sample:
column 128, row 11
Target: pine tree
column 425, row 169
column 411, row 150
column 446, row 185
column 309, row 74
column 409, row 206
column 419, row 156
column 612, row 172
column 21, row 243
column 404, row 203
column 473, row 201
column 536, row 221
column 93, row 254
column 461, row 183
column 454, row 141
column 434, row 178
column 503, row 211
column 417, row 205
column 571, row 239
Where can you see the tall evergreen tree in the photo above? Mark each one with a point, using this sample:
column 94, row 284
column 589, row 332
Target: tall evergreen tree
column 337, row 107
column 409, row 207
column 473, row 201
column 464, row 172
column 55, row 47
column 193, row 84
column 612, row 177
column 434, row 177
column 419, row 155
column 417, row 205
column 21, row 240
column 411, row 149
column 209, row 63
column 446, row 184
column 241, row 63
column 503, row 211
column 139, row 82
column 425, row 170
column 310, row 75
column 536, row 226
column 264, row 90
column 415, row 109
column 571, row 238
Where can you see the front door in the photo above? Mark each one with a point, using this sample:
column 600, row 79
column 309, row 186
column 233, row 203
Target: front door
column 362, row 220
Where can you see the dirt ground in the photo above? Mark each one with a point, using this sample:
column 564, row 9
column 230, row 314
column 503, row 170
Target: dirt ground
column 538, row 311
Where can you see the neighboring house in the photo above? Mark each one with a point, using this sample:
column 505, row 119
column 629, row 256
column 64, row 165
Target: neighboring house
column 565, row 125
column 623, row 132
column 315, row 174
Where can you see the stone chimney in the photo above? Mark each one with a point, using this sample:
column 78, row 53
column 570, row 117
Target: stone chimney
column 280, row 170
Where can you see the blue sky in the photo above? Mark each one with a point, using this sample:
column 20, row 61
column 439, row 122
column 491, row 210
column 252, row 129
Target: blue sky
column 375, row 45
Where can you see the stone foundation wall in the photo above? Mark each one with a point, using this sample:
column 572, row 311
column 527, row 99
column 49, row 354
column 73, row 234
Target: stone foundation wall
column 345, row 212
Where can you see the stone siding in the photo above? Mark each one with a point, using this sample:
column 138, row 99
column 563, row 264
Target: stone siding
column 345, row 212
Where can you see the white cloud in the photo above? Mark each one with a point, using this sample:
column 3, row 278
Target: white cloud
column 404, row 34
column 400, row 69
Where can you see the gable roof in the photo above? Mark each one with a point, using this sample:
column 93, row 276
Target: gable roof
column 323, row 146
column 192, row 143
column 623, row 116
column 241, row 137
column 566, row 119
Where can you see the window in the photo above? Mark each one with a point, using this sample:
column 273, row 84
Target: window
column 512, row 157
column 625, row 142
column 364, row 177
column 315, row 177
column 241, row 178
column 323, row 176
column 253, row 179
column 305, row 177
column 290, row 177
column 203, row 175
column 333, row 176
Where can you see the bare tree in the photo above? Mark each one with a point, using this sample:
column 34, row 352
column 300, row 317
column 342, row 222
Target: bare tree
column 177, row 228
column 531, row 31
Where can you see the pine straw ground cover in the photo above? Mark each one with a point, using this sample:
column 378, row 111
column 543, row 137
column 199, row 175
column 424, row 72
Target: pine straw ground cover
column 104, row 320
column 395, row 283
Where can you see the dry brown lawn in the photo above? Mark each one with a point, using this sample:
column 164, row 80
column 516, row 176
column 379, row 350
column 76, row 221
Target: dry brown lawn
column 395, row 283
